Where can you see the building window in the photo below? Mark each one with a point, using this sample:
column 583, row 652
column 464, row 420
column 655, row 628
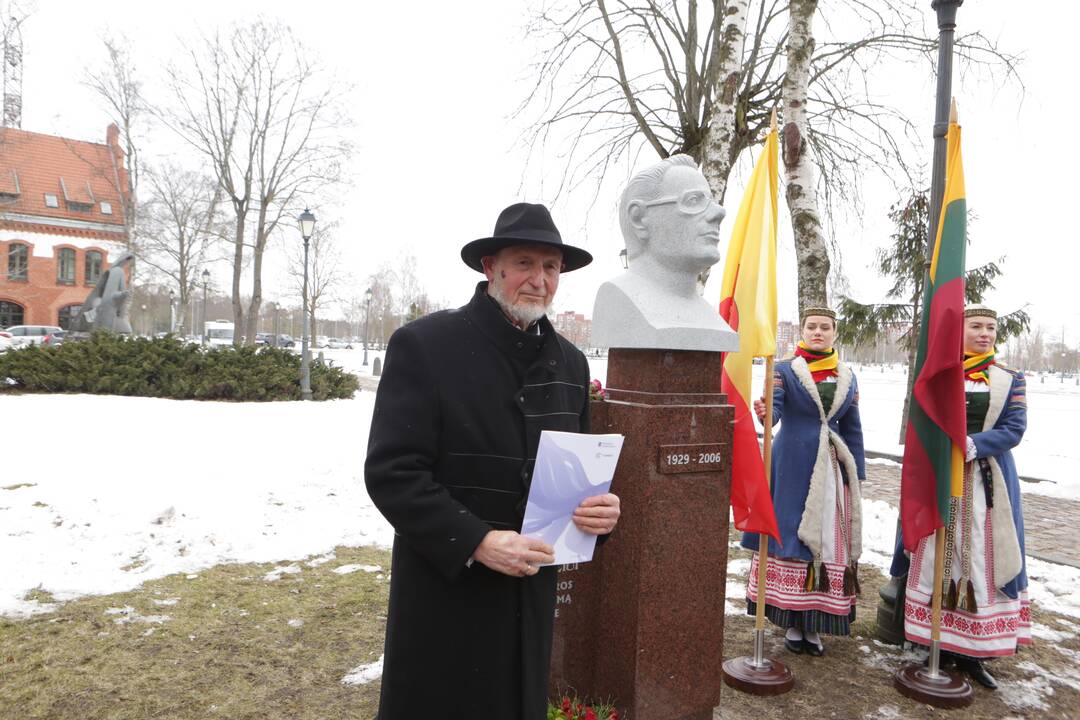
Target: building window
column 51, row 200
column 10, row 314
column 17, row 261
column 65, row 267
column 66, row 316
column 106, row 208
column 93, row 266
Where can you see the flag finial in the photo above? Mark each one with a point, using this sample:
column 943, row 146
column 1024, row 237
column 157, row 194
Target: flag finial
column 953, row 115
column 772, row 120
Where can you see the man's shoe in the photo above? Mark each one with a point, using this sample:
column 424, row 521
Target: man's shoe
column 795, row 646
column 977, row 671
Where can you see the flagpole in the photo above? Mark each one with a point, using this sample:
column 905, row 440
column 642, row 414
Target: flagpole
column 931, row 685
column 763, row 539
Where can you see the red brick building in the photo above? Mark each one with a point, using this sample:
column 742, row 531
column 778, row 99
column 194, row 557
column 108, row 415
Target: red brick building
column 61, row 222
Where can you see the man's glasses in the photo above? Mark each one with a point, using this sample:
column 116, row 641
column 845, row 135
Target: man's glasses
column 690, row 202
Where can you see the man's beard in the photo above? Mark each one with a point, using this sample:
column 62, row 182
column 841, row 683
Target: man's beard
column 522, row 313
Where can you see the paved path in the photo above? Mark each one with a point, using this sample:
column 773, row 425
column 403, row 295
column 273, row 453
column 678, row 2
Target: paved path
column 1050, row 524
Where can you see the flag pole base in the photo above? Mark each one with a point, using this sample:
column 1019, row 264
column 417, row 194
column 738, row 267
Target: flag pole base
column 770, row 677
column 942, row 689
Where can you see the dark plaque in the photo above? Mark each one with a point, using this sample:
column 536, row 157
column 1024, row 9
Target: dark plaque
column 702, row 457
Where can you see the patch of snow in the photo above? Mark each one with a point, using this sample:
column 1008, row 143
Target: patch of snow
column 321, row 560
column 129, row 614
column 885, row 712
column 1027, row 694
column 277, row 572
column 167, row 601
column 363, row 674
column 346, row 569
column 296, row 623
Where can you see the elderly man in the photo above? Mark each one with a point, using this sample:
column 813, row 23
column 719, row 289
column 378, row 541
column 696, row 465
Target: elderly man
column 463, row 398
column 671, row 226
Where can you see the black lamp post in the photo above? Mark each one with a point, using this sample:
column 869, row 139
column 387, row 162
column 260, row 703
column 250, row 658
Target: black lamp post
column 367, row 314
column 307, row 228
column 172, row 311
column 205, row 285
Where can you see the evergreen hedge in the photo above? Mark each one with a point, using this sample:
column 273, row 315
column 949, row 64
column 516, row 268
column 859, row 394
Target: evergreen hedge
column 109, row 364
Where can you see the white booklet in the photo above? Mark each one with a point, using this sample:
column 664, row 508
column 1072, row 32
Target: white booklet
column 569, row 468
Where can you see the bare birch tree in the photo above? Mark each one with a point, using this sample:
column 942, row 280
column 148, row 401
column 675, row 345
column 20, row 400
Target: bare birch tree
column 268, row 118
column 182, row 230
column 801, row 186
column 620, row 77
column 118, row 86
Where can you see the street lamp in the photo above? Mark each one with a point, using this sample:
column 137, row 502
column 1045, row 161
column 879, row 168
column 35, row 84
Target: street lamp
column 624, row 259
column 307, row 227
column 172, row 311
column 205, row 285
column 367, row 314
column 146, row 322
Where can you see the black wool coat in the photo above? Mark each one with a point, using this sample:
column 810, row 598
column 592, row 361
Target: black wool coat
column 463, row 398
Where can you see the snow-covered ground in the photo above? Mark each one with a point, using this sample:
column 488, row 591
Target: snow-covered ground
column 178, row 486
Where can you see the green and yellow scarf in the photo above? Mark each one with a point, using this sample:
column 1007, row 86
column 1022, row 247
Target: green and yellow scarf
column 977, row 365
column 822, row 364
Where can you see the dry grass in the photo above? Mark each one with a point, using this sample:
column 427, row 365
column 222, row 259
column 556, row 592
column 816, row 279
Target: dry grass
column 216, row 645
column 854, row 677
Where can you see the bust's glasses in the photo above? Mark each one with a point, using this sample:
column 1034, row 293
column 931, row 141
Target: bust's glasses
column 690, row 202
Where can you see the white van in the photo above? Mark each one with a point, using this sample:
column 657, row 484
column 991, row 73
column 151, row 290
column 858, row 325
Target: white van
column 219, row 332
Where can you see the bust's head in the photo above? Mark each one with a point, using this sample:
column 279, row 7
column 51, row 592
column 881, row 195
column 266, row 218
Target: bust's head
column 667, row 214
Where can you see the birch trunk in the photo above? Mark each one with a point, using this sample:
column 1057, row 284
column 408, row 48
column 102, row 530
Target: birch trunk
column 810, row 251
column 719, row 146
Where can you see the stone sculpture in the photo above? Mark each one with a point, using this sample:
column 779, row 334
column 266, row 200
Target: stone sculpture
column 671, row 227
column 106, row 307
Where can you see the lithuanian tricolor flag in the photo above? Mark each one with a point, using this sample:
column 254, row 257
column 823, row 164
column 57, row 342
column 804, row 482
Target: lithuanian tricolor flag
column 937, row 430
column 748, row 304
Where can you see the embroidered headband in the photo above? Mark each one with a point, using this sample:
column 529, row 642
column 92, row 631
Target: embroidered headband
column 979, row 311
column 818, row 312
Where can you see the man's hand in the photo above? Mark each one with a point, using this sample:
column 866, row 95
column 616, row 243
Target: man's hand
column 509, row 553
column 598, row 514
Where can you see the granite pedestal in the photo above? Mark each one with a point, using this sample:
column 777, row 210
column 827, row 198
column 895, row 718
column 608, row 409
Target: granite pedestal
column 643, row 623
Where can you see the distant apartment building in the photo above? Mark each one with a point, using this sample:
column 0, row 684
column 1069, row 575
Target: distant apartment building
column 787, row 336
column 575, row 327
column 61, row 222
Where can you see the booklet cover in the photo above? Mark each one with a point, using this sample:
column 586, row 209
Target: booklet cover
column 569, row 468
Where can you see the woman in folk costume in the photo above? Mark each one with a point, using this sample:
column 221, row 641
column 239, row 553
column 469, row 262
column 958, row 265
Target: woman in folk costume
column 817, row 465
column 985, row 608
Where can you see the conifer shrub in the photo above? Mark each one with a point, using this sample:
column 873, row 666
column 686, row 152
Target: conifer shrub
column 109, row 364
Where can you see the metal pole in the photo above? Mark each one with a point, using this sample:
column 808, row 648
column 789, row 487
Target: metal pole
column 367, row 314
column 204, row 316
column 305, row 358
column 946, row 18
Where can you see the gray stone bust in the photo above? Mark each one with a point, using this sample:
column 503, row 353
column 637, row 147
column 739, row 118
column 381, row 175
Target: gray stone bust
column 671, row 227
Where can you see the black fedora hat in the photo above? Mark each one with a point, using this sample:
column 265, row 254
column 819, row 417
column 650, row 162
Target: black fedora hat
column 523, row 224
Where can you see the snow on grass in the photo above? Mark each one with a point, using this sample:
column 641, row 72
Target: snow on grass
column 363, row 674
column 346, row 569
column 277, row 572
column 128, row 614
column 191, row 485
column 187, row 486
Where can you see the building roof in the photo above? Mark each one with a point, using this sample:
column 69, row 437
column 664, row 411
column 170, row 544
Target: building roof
column 82, row 179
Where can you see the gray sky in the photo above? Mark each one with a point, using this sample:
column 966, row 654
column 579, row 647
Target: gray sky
column 439, row 155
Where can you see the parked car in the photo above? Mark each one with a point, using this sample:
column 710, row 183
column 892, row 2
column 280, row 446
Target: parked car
column 264, row 338
column 321, row 341
column 5, row 340
column 338, row 344
column 30, row 334
column 54, row 338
